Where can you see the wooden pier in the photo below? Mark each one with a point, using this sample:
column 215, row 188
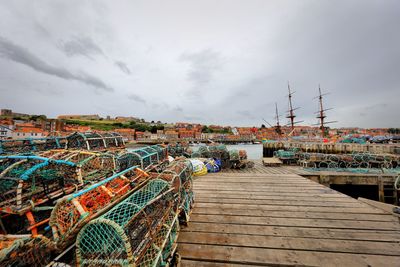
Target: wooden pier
column 271, row 216
column 332, row 148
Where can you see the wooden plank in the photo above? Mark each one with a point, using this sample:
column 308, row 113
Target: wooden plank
column 278, row 202
column 278, row 174
column 251, row 174
column 296, row 214
column 272, row 162
column 329, row 194
column 257, row 178
column 296, row 222
column 266, row 257
column 266, row 176
column 276, row 178
column 300, row 197
column 282, row 189
column 249, row 186
column 286, row 183
column 254, row 188
column 285, row 231
column 361, row 209
column 298, row 243
column 304, row 199
column 260, row 184
column 216, row 197
column 383, row 206
column 265, row 217
column 193, row 263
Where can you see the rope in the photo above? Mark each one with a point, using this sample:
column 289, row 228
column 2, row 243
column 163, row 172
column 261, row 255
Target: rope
column 397, row 183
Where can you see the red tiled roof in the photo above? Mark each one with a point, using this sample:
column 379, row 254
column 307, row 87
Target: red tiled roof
column 30, row 130
column 125, row 130
column 25, row 124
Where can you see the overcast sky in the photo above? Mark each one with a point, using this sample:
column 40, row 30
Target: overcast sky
column 211, row 62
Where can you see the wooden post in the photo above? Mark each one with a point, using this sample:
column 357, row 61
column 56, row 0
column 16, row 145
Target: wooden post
column 381, row 189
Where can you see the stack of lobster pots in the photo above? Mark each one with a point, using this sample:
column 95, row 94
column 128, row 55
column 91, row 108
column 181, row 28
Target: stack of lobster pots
column 92, row 207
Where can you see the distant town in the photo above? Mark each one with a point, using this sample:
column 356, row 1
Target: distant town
column 21, row 126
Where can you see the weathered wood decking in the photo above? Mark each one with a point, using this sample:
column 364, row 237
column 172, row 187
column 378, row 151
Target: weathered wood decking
column 271, row 216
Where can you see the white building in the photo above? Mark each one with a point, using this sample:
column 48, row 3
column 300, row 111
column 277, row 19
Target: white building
column 5, row 132
column 208, row 135
column 161, row 135
column 27, row 133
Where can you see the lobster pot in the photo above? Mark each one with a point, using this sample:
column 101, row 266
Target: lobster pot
column 359, row 160
column 94, row 141
column 145, row 157
column 16, row 146
column 282, row 154
column 112, row 139
column 56, row 153
column 92, row 166
column 161, row 151
column 242, row 154
column 25, row 251
column 187, row 200
column 214, row 151
column 137, row 231
column 127, row 159
column 234, row 154
column 153, row 153
column 31, row 180
column 97, row 167
column 77, row 141
column 73, row 211
column 164, row 244
column 176, row 150
column 31, row 145
column 195, row 154
column 183, row 169
column 51, row 143
column 204, row 152
column 218, row 151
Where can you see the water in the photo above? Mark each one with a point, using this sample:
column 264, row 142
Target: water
column 254, row 151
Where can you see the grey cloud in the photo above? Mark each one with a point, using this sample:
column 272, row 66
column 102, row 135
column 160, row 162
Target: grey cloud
column 160, row 105
column 376, row 106
column 123, row 67
column 193, row 118
column 240, row 58
column 21, row 55
column 137, row 98
column 178, row 108
column 203, row 66
column 81, row 46
column 246, row 114
column 40, row 29
column 48, row 91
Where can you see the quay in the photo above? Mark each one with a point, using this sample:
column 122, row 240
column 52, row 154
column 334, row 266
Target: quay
column 379, row 186
column 270, row 216
column 192, row 140
column 331, row 148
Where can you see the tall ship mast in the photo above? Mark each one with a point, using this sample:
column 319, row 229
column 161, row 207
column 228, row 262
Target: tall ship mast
column 291, row 110
column 278, row 128
column 322, row 113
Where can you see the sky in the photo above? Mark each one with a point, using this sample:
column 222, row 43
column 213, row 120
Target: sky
column 210, row 62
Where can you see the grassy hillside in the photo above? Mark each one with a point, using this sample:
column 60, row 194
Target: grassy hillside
column 108, row 125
